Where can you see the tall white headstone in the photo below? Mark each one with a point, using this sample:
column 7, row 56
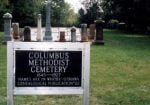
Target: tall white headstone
column 39, row 28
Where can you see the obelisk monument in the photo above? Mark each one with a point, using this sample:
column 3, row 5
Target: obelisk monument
column 48, row 33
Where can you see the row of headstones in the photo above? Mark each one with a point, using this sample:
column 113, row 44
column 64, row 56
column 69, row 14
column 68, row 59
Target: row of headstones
column 95, row 33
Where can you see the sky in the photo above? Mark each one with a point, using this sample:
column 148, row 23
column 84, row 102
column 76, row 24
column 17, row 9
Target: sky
column 75, row 4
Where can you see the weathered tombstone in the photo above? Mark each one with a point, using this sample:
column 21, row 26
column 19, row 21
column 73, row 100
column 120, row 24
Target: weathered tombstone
column 39, row 28
column 7, row 27
column 62, row 36
column 99, row 32
column 92, row 31
column 27, row 34
column 73, row 34
column 15, row 27
column 48, row 34
column 21, row 36
column 84, row 35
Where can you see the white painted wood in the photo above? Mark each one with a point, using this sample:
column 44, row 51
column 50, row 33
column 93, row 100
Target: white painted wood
column 48, row 46
column 86, row 73
column 48, row 91
column 10, row 68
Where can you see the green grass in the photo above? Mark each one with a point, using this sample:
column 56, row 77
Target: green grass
column 2, row 72
column 120, row 74
column 120, row 70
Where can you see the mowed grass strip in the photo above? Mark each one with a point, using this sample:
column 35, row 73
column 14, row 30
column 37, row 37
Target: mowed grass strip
column 120, row 74
column 122, row 69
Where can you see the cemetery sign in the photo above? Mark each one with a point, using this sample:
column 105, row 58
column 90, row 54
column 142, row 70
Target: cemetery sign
column 48, row 68
column 37, row 68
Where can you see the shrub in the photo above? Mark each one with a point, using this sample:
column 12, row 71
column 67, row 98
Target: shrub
column 112, row 23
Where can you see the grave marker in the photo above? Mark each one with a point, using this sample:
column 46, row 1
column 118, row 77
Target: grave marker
column 92, row 31
column 73, row 34
column 48, row 33
column 84, row 35
column 62, row 36
column 39, row 28
column 7, row 27
column 99, row 32
column 15, row 27
column 27, row 34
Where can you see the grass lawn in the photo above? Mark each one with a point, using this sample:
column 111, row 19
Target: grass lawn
column 120, row 74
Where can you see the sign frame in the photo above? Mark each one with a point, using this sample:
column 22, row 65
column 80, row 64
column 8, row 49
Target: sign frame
column 50, row 46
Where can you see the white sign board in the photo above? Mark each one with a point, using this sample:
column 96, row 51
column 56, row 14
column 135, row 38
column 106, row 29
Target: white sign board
column 48, row 68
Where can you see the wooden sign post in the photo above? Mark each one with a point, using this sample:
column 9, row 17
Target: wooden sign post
column 48, row 68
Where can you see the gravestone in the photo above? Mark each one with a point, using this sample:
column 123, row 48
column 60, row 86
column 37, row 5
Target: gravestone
column 62, row 36
column 84, row 35
column 92, row 31
column 39, row 28
column 99, row 32
column 21, row 34
column 15, row 27
column 73, row 34
column 7, row 27
column 48, row 33
column 27, row 34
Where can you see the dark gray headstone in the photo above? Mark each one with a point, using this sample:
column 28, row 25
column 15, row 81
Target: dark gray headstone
column 99, row 32
column 27, row 34
column 7, row 27
column 84, row 35
column 73, row 34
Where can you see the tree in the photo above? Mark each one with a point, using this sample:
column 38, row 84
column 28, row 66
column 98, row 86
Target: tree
column 4, row 8
column 135, row 13
column 81, row 17
column 61, row 14
column 24, row 12
column 93, row 11
column 70, row 18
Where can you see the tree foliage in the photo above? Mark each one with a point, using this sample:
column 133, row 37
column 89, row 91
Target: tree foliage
column 4, row 8
column 92, row 11
column 82, row 16
column 135, row 13
column 25, row 12
column 62, row 14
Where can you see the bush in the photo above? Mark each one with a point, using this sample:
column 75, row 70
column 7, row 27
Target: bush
column 112, row 24
column 122, row 26
column 3, row 9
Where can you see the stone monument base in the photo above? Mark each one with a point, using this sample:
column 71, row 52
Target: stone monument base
column 47, row 38
column 6, row 38
column 98, row 42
